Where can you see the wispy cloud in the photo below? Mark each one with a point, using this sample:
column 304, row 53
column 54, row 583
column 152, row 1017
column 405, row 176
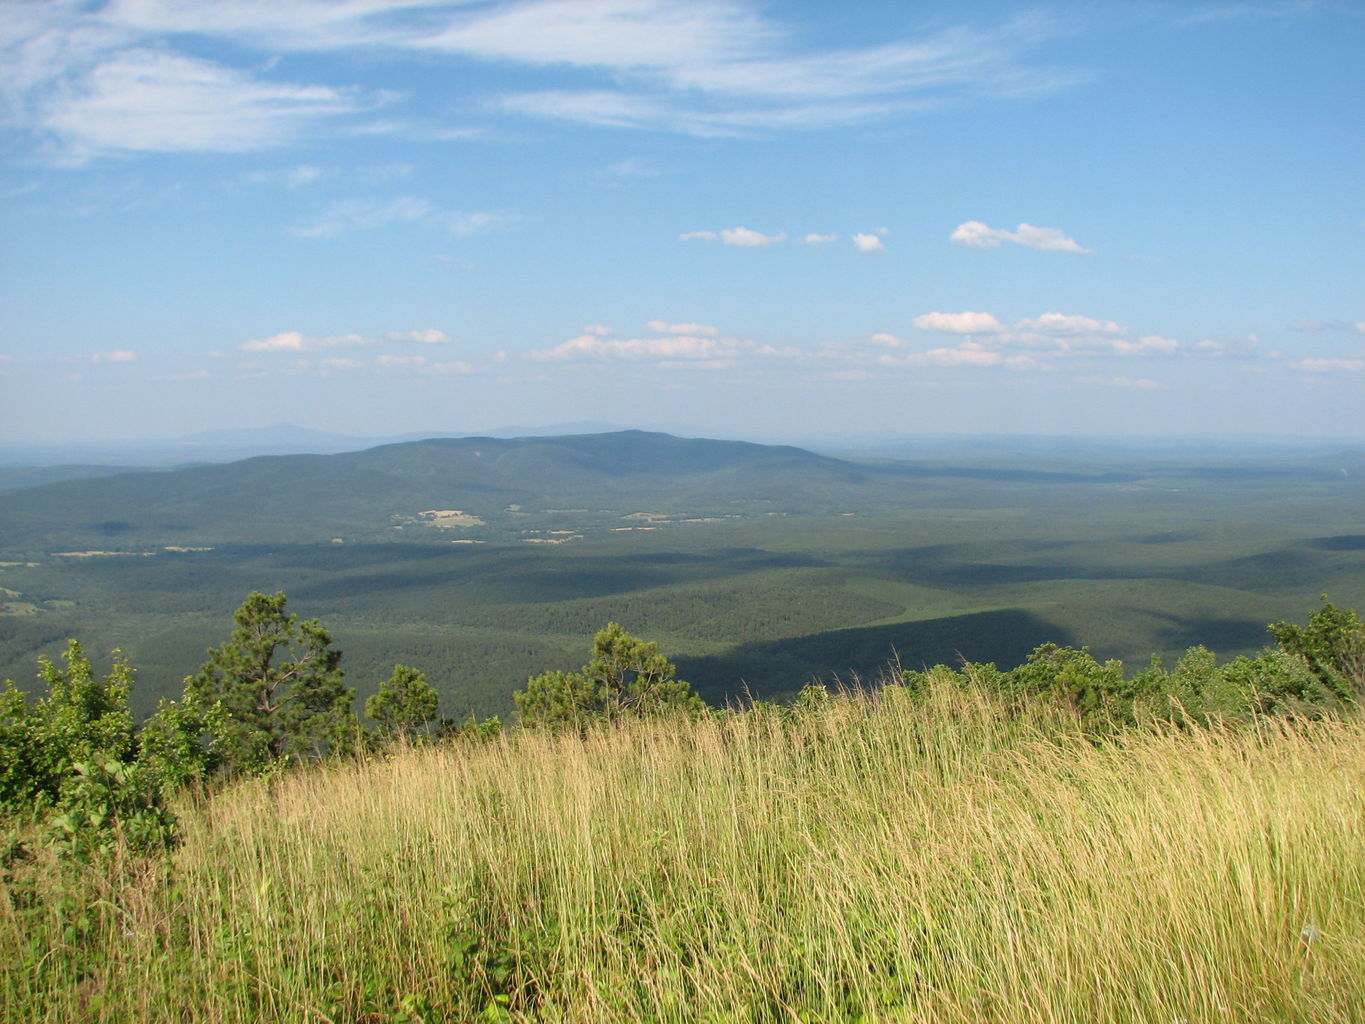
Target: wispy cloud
column 975, row 234
column 1329, row 365
column 740, row 236
column 868, row 241
column 148, row 101
column 1330, row 326
column 690, row 344
column 350, row 215
column 287, row 177
column 429, row 336
column 1131, row 383
column 663, row 327
column 130, row 76
column 422, row 365
column 296, row 341
column 118, row 355
column 1036, row 342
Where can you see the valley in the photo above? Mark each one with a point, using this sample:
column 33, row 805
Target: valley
column 757, row 568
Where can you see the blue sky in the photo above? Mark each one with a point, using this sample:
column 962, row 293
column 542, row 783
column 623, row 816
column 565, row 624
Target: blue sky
column 730, row 218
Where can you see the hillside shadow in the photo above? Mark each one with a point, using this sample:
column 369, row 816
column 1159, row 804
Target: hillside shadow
column 1342, row 542
column 1221, row 635
column 778, row 668
column 956, row 565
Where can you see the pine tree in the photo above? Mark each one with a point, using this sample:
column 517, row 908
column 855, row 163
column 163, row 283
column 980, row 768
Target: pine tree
column 405, row 702
column 278, row 682
column 626, row 676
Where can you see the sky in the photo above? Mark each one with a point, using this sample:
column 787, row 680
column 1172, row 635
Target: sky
column 728, row 218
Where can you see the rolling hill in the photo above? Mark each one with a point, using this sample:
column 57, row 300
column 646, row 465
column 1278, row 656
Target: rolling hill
column 306, row 497
column 757, row 567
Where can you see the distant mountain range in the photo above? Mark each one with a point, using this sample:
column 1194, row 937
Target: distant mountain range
column 365, row 493
column 90, row 458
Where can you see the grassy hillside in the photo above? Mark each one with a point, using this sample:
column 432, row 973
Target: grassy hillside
column 873, row 858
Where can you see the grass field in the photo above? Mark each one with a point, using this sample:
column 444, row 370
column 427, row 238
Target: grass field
column 874, row 858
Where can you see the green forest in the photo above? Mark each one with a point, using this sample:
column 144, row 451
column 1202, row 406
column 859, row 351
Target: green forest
column 759, row 568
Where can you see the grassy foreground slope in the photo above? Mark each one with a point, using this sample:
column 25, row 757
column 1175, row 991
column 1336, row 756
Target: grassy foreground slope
column 877, row 857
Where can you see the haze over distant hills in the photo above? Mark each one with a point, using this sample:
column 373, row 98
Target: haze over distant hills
column 370, row 493
column 484, row 559
column 366, row 493
column 229, row 444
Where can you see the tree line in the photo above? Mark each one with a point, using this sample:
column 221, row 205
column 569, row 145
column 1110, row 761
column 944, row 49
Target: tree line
column 274, row 694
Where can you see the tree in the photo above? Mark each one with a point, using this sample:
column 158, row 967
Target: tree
column 1332, row 646
column 278, row 683
column 405, row 702
column 1093, row 690
column 82, row 718
column 626, row 677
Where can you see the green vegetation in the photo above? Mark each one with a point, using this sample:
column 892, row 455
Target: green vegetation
column 626, row 677
column 757, row 568
column 404, row 704
column 278, row 682
column 1060, row 841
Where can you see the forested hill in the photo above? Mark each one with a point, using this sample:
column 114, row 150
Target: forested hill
column 299, row 497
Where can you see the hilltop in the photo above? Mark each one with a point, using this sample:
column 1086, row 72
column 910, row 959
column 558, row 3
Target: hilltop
column 367, row 493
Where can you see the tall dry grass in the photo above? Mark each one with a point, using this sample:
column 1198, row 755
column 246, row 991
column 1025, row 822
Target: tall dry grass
column 878, row 858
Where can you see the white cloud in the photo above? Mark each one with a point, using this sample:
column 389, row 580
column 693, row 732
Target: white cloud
column 1033, row 343
column 350, row 215
column 1151, row 344
column 975, row 234
column 690, row 344
column 296, row 341
column 362, row 215
column 148, row 101
column 430, row 336
column 715, row 68
column 1330, row 365
column 399, row 362
column 1065, row 325
column 948, row 357
column 663, row 327
column 959, row 323
column 297, row 24
column 868, row 243
column 1324, row 326
column 118, row 355
column 130, row 76
column 818, row 239
column 675, row 348
column 289, row 177
column 741, row 236
column 746, row 237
